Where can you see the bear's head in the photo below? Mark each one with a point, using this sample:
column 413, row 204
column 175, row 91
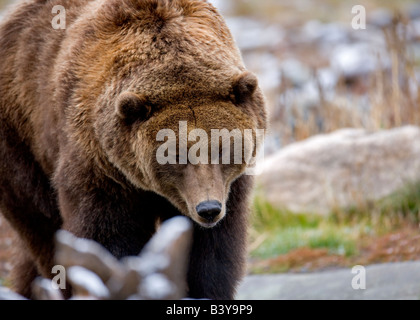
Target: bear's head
column 174, row 92
column 188, row 151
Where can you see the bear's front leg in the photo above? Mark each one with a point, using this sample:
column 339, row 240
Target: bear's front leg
column 218, row 255
column 93, row 206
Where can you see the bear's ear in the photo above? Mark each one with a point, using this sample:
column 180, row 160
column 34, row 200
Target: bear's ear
column 244, row 86
column 132, row 107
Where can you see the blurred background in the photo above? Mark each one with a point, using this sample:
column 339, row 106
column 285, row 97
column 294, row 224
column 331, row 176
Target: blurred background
column 340, row 181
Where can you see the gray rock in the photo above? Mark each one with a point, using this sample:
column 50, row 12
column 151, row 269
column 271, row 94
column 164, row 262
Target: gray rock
column 380, row 18
column 294, row 71
column 414, row 32
column 341, row 169
column 159, row 272
column 7, row 294
column 87, row 283
column 413, row 11
column 43, row 290
column 157, row 287
column 359, row 59
column 72, row 251
column 251, row 34
column 167, row 252
column 324, row 33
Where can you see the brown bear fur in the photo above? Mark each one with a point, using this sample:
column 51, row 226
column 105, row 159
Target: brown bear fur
column 79, row 112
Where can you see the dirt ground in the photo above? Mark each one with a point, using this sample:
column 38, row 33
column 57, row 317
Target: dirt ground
column 398, row 246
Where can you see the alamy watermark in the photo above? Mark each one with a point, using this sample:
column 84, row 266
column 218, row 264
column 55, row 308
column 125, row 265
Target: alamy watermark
column 59, row 281
column 359, row 19
column 359, row 280
column 216, row 149
column 59, row 20
column 358, row 22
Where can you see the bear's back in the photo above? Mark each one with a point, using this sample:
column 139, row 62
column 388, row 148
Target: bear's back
column 29, row 46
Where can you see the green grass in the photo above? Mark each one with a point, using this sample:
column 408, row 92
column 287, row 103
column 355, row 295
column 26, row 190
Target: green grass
column 277, row 231
column 284, row 231
column 401, row 207
column 283, row 241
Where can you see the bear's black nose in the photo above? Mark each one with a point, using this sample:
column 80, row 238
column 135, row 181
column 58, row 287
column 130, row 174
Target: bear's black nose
column 209, row 209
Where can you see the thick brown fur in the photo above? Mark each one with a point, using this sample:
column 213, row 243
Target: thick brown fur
column 75, row 153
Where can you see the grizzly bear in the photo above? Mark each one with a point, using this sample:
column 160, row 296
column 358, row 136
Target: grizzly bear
column 80, row 110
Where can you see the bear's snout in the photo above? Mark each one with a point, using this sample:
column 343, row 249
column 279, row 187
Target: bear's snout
column 209, row 210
